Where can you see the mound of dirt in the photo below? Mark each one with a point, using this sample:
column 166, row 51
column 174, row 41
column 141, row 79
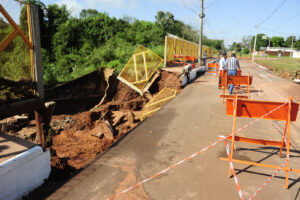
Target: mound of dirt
column 124, row 93
column 168, row 80
column 79, row 138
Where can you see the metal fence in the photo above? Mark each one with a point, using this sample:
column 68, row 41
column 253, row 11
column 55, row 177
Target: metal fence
column 140, row 68
column 16, row 55
column 157, row 102
column 17, row 52
column 175, row 46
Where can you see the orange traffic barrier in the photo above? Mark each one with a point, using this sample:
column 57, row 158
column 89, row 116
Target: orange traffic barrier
column 212, row 68
column 237, row 81
column 224, row 73
column 233, row 96
column 255, row 109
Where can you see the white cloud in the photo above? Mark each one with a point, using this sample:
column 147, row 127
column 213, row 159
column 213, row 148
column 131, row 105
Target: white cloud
column 72, row 5
column 131, row 4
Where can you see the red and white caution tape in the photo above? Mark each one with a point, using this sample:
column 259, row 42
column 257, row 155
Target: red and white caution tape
column 191, row 156
column 233, row 170
column 269, row 179
column 167, row 169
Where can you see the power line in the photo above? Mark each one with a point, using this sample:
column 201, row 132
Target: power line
column 182, row 2
column 273, row 31
column 272, row 13
column 212, row 3
column 289, row 20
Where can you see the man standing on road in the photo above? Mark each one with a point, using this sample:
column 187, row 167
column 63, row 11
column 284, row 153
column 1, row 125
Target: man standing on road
column 222, row 66
column 232, row 65
column 204, row 57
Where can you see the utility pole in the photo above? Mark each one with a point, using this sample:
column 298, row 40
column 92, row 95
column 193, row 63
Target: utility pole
column 254, row 48
column 201, row 31
column 292, row 47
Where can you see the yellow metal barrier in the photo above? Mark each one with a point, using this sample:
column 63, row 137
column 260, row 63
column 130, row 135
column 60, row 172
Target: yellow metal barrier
column 140, row 68
column 9, row 12
column 157, row 102
column 178, row 46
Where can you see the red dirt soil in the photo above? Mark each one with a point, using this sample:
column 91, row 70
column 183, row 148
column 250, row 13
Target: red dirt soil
column 78, row 139
column 168, row 80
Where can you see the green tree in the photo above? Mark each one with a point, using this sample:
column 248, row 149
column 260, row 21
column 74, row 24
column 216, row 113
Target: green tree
column 168, row 24
column 260, row 42
column 297, row 44
column 246, row 42
column 85, row 13
column 277, row 41
column 236, row 47
column 289, row 40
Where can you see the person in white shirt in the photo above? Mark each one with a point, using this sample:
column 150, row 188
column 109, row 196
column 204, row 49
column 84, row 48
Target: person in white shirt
column 222, row 66
column 223, row 62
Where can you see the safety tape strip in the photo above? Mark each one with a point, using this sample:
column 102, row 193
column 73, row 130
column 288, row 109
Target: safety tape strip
column 268, row 180
column 192, row 156
column 233, row 170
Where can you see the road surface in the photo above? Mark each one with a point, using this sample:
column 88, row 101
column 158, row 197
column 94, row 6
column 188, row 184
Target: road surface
column 193, row 120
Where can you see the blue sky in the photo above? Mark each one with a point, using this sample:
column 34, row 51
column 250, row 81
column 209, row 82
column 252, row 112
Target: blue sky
column 225, row 19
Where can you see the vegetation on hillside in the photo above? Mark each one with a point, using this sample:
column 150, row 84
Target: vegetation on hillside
column 74, row 46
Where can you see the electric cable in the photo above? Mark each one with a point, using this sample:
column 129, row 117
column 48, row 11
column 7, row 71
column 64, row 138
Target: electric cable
column 272, row 13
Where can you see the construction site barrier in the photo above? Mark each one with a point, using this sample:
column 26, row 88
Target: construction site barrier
column 220, row 139
column 212, row 68
column 224, row 73
column 178, row 50
column 16, row 31
column 253, row 109
column 237, row 81
column 140, row 69
column 157, row 102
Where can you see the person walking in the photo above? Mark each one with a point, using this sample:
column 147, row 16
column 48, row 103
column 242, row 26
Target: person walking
column 232, row 66
column 204, row 57
column 222, row 66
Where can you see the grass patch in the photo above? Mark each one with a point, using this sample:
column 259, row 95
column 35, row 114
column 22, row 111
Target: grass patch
column 285, row 67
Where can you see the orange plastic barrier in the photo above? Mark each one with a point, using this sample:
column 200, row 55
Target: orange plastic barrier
column 237, row 81
column 224, row 73
column 214, row 66
column 263, row 110
column 255, row 109
column 183, row 59
column 233, row 96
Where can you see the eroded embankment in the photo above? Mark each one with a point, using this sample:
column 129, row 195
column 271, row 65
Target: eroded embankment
column 77, row 139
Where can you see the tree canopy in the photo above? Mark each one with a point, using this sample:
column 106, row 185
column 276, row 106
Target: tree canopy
column 72, row 46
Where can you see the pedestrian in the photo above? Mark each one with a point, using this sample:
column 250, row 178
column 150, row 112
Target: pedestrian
column 204, row 57
column 222, row 66
column 232, row 66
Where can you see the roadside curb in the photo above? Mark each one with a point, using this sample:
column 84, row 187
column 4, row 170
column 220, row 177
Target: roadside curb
column 260, row 66
column 297, row 81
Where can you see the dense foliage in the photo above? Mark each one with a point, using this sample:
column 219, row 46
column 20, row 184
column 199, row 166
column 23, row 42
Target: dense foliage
column 72, row 47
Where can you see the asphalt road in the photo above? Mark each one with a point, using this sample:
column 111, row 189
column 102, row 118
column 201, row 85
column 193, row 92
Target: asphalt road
column 191, row 121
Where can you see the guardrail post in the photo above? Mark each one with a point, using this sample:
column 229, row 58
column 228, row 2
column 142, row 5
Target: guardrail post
column 38, row 70
column 37, row 54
